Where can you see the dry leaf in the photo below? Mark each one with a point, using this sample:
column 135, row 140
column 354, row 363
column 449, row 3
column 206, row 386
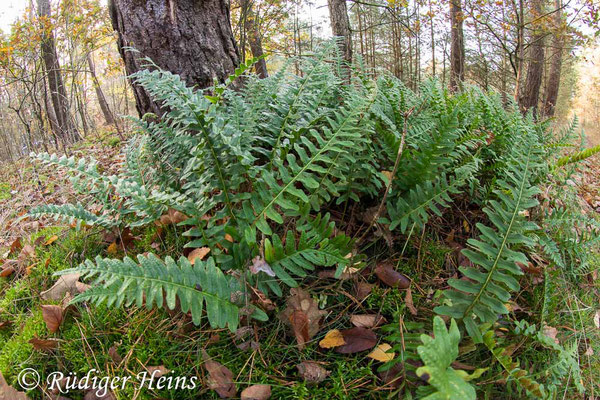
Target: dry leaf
column 388, row 275
column 357, row 339
column 380, row 353
column 551, row 332
column 198, row 254
column 112, row 249
column 43, row 344
column 8, row 392
column 65, row 284
column 16, row 245
column 93, row 395
column 259, row 264
column 367, row 320
column 597, row 319
column 409, row 302
column 333, row 338
column 51, row 240
column 220, row 378
column 257, row 392
column 229, row 238
column 303, row 315
column 7, row 271
column 312, row 372
column 393, row 376
column 362, row 290
column 157, row 371
column 5, row 324
column 113, row 354
column 53, row 317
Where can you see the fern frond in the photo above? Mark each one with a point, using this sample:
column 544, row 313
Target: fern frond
column 71, row 213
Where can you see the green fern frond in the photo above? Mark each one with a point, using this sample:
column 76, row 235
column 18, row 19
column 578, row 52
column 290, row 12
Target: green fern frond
column 73, row 213
column 153, row 281
column 579, row 156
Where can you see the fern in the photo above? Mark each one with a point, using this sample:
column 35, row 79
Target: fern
column 579, row 156
column 165, row 283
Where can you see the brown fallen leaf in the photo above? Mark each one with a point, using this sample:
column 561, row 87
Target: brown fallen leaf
column 393, row 376
column 53, row 316
column 220, row 378
column 333, row 338
column 113, row 354
column 387, row 274
column 362, row 290
column 8, row 392
column 26, row 252
column 357, row 339
column 51, row 240
column 597, row 319
column 302, row 315
column 229, row 238
column 312, row 372
column 259, row 264
column 551, row 332
column 157, row 371
column 198, row 254
column 112, row 249
column 367, row 320
column 65, row 284
column 94, row 395
column 16, row 245
column 408, row 300
column 380, row 353
column 256, row 392
column 5, row 324
column 43, row 344
column 7, row 271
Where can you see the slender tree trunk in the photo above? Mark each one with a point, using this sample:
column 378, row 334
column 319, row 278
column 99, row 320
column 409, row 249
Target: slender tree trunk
column 58, row 94
column 340, row 26
column 191, row 38
column 553, row 83
column 108, row 116
column 530, row 97
column 431, row 20
column 253, row 36
column 457, row 48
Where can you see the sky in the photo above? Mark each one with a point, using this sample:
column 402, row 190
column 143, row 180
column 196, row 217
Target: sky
column 10, row 11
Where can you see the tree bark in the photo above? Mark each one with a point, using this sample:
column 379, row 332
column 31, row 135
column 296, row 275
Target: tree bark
column 254, row 40
column 340, row 26
column 58, row 94
column 191, row 38
column 553, row 83
column 108, row 116
column 531, row 94
column 457, row 46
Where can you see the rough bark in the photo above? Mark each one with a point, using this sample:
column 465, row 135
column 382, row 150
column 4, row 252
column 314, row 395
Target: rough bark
column 457, row 46
column 58, row 94
column 191, row 38
column 254, row 40
column 340, row 26
column 553, row 83
column 531, row 93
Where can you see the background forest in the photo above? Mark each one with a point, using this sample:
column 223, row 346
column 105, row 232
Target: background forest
column 294, row 199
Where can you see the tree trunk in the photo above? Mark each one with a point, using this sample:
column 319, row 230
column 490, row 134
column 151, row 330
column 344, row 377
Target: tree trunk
column 533, row 81
column 191, row 38
column 553, row 84
column 253, row 37
column 108, row 117
column 58, row 94
column 340, row 26
column 457, row 47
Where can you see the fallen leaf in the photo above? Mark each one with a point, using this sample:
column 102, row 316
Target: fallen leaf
column 51, row 240
column 333, row 338
column 112, row 249
column 16, row 245
column 392, row 377
column 53, row 317
column 367, row 320
column 597, row 319
column 388, row 275
column 157, row 371
column 357, row 339
column 380, row 353
column 220, row 378
column 256, row 392
column 312, row 372
column 27, row 252
column 65, row 284
column 7, row 271
column 94, row 395
column 198, row 254
column 229, row 238
column 362, row 290
column 551, row 332
column 81, row 287
column 43, row 344
column 8, row 392
column 589, row 352
column 259, row 264
column 113, row 354
column 5, row 324
column 408, row 300
column 302, row 315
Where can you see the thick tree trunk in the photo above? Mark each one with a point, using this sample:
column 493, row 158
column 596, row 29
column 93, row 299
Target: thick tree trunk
column 340, row 26
column 457, row 46
column 254, row 40
column 553, row 83
column 531, row 94
column 58, row 94
column 191, row 38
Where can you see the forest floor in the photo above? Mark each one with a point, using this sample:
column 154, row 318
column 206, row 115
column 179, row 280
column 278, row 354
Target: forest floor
column 125, row 341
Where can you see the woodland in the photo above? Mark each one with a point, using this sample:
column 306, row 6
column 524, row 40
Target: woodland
column 297, row 199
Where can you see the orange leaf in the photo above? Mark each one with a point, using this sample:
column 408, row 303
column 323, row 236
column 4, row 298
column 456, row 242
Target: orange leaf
column 112, row 249
column 53, row 317
column 51, row 240
column 333, row 338
column 198, row 254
